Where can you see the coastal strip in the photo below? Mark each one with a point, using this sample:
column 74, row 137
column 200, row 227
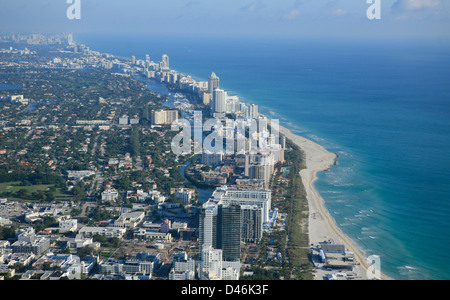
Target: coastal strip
column 322, row 226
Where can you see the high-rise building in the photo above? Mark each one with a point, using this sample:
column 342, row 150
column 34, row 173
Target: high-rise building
column 220, row 101
column 133, row 60
column 70, row 39
column 253, row 111
column 229, row 231
column 261, row 172
column 165, row 62
column 245, row 195
column 283, row 141
column 251, row 223
column 213, row 82
column 232, row 104
column 164, row 117
column 211, row 158
column 260, row 166
column 207, row 97
column 233, row 211
column 220, row 228
column 220, row 239
column 211, row 263
column 207, row 225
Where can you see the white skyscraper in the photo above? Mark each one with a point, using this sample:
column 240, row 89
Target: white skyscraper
column 245, row 195
column 213, row 83
column 220, row 101
column 207, row 224
column 211, row 264
column 163, row 117
column 70, row 39
column 233, row 104
column 165, row 62
column 253, row 111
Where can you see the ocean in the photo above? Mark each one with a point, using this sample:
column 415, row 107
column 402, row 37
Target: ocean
column 383, row 106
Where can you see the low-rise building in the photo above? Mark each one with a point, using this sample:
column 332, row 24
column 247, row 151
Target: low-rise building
column 108, row 232
column 143, row 264
column 181, row 275
column 184, row 194
column 147, row 234
column 131, row 219
column 184, row 267
column 68, row 225
column 110, row 194
column 36, row 246
column 79, row 175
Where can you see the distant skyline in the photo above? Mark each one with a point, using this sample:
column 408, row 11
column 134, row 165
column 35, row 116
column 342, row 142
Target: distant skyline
column 334, row 18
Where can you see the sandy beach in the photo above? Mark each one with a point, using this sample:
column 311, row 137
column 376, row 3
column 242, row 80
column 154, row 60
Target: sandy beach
column 322, row 226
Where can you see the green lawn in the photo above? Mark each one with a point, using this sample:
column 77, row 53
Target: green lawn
column 14, row 187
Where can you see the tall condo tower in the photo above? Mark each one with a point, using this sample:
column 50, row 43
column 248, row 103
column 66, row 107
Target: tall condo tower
column 229, row 232
column 165, row 62
column 220, row 101
column 213, row 83
column 70, row 39
column 220, row 228
column 253, row 112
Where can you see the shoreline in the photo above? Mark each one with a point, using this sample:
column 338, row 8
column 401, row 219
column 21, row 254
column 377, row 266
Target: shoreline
column 322, row 225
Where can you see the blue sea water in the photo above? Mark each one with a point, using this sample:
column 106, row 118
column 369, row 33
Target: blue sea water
column 383, row 106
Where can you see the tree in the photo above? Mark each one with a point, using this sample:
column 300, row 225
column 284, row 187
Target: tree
column 50, row 196
column 206, row 168
column 6, row 232
column 134, row 142
column 21, row 193
column 79, row 191
column 46, row 266
column 145, row 113
column 85, row 251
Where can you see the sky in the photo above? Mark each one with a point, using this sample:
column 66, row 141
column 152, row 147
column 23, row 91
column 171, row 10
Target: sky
column 324, row 18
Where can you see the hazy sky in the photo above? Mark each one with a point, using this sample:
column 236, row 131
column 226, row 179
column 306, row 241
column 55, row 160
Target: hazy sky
column 339, row 18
